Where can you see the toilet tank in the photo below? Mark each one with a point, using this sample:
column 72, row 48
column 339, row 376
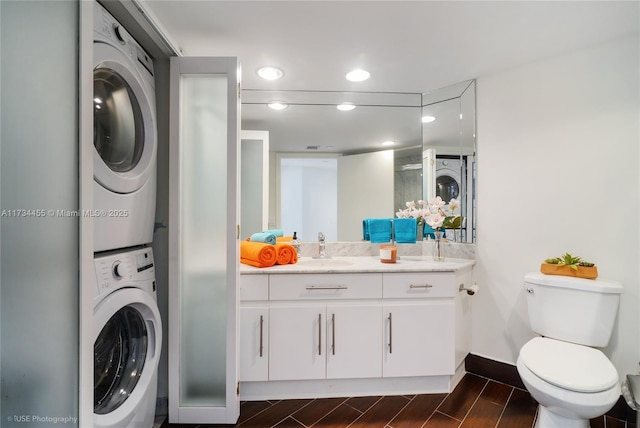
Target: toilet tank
column 572, row 309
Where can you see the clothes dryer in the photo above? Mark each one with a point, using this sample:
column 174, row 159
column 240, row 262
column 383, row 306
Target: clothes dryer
column 127, row 340
column 124, row 138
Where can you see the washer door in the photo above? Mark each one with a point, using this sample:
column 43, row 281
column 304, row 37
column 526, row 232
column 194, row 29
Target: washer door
column 124, row 135
column 128, row 338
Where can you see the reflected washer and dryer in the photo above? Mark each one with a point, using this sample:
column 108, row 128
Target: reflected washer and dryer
column 125, row 139
column 127, row 340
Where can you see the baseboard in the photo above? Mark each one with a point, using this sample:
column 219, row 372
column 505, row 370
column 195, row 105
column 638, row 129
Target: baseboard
column 494, row 370
column 508, row 374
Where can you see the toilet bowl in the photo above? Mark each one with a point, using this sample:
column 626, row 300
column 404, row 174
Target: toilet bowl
column 572, row 383
column 563, row 370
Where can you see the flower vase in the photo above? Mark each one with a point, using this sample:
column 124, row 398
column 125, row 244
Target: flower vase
column 420, row 232
column 438, row 246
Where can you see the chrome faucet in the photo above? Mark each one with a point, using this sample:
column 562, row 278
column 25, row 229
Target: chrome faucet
column 321, row 254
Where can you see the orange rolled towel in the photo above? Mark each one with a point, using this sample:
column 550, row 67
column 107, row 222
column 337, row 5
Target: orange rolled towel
column 286, row 254
column 257, row 254
column 284, row 238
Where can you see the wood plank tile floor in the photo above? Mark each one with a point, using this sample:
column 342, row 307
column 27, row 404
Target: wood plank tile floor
column 476, row 402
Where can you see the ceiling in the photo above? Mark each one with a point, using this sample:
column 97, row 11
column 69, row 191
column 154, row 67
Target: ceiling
column 407, row 46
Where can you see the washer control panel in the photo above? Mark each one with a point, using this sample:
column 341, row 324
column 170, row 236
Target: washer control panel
column 107, row 27
column 124, row 269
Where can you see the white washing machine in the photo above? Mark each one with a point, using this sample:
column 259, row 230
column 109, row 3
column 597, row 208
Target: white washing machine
column 124, row 138
column 449, row 182
column 127, row 340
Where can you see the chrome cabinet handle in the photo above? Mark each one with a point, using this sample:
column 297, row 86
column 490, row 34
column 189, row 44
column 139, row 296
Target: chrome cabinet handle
column 261, row 328
column 319, row 334
column 390, row 334
column 333, row 334
column 324, row 287
column 421, row 286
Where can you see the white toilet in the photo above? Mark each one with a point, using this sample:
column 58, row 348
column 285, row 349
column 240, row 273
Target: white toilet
column 570, row 379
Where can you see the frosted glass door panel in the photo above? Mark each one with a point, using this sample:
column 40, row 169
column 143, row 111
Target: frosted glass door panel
column 203, row 225
column 39, row 285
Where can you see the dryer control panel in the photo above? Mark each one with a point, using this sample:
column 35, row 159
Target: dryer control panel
column 134, row 268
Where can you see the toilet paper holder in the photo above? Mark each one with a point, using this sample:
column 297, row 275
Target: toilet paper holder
column 471, row 290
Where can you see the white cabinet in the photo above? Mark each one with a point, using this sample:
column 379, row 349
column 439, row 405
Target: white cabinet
column 297, row 342
column 314, row 341
column 419, row 339
column 254, row 328
column 254, row 343
column 354, row 335
column 420, row 329
column 322, row 326
column 333, row 334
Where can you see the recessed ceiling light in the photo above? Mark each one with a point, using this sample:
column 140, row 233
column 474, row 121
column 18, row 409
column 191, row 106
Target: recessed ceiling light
column 277, row 105
column 428, row 119
column 270, row 73
column 358, row 75
column 389, row 143
column 346, row 106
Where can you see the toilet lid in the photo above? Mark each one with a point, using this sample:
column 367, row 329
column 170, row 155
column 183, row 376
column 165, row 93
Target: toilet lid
column 569, row 366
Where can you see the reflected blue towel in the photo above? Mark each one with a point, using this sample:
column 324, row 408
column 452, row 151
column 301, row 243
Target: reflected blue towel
column 377, row 229
column 405, row 230
column 267, row 238
column 276, row 232
column 428, row 230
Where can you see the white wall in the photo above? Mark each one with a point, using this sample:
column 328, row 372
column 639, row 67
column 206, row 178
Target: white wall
column 558, row 161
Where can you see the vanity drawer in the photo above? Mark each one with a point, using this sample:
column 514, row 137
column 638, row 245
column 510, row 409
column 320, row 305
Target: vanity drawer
column 325, row 286
column 254, row 287
column 419, row 285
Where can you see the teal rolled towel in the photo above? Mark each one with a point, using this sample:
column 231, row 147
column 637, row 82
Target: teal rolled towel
column 267, row 238
column 276, row 232
column 405, row 230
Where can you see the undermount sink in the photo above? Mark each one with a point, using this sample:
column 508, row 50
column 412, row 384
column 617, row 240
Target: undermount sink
column 324, row 262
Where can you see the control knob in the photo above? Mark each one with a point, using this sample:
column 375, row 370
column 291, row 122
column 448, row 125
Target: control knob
column 117, row 270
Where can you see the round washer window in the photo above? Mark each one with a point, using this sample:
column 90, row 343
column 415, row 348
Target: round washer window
column 119, row 355
column 447, row 188
column 118, row 133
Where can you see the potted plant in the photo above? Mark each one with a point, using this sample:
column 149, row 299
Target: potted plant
column 569, row 265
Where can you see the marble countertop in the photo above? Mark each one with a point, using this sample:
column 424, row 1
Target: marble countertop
column 362, row 264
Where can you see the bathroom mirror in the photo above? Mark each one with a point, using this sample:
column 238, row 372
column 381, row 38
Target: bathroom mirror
column 312, row 126
column 449, row 145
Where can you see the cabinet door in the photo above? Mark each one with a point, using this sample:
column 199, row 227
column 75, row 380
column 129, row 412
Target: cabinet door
column 419, row 339
column 354, row 334
column 203, row 242
column 297, row 338
column 254, row 343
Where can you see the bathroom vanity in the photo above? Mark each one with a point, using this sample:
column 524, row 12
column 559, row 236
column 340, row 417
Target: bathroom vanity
column 350, row 326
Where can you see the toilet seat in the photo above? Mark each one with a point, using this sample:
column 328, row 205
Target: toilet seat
column 569, row 366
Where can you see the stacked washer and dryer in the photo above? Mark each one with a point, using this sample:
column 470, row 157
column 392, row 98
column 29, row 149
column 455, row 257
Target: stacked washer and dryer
column 127, row 324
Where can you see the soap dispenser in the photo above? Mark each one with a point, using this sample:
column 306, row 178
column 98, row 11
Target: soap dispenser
column 296, row 243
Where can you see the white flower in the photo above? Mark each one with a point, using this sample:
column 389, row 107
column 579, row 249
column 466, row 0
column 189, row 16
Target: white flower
column 436, row 213
column 435, row 219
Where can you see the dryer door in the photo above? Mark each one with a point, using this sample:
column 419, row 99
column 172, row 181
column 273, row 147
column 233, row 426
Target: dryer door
column 124, row 134
column 128, row 334
column 447, row 187
column 448, row 182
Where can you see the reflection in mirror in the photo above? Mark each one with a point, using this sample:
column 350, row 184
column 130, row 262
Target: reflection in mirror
column 449, row 152
column 311, row 125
